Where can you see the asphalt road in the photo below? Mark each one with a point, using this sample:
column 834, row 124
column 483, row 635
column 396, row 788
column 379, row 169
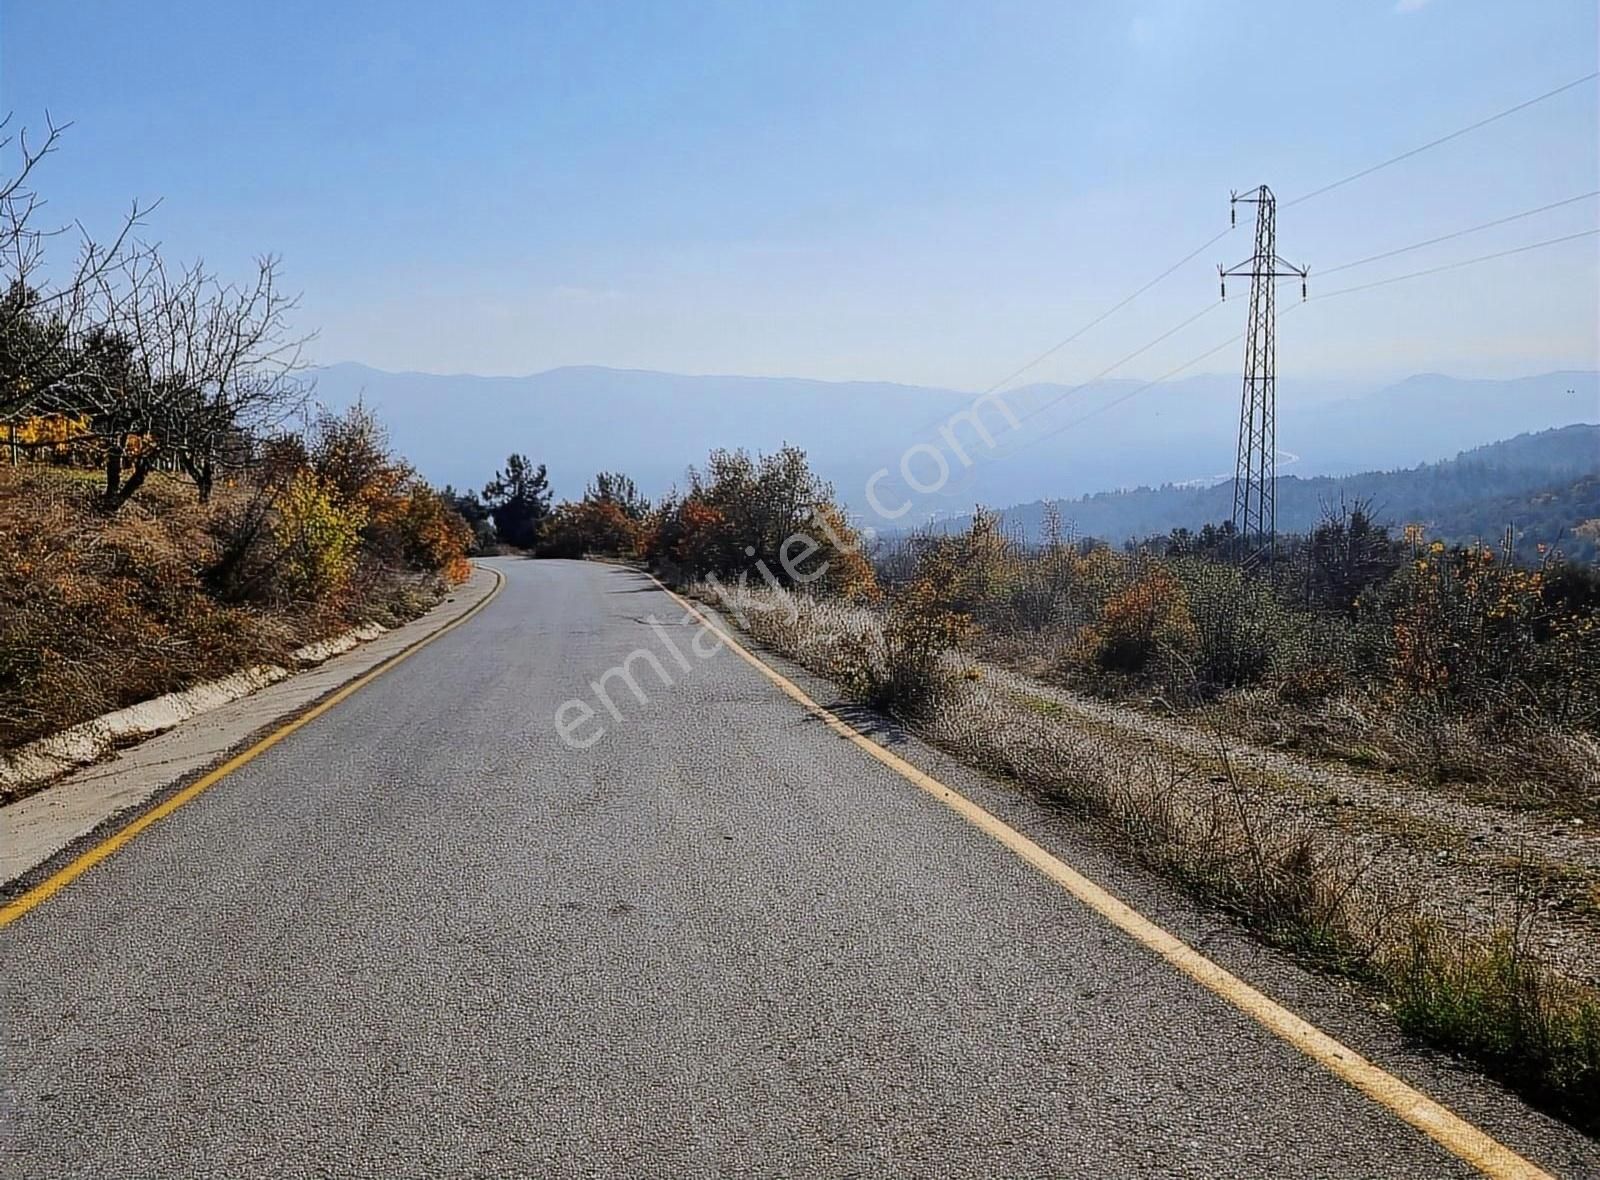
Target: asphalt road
column 424, row 936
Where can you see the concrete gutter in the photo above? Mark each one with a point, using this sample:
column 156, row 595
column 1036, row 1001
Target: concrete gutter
column 192, row 730
column 32, row 766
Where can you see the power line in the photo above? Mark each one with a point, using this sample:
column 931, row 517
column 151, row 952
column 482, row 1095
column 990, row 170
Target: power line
column 1433, row 270
column 1443, row 139
column 1208, row 243
column 1460, row 233
column 1133, row 393
column 1109, row 312
column 1109, row 369
column 1216, row 348
column 1099, row 319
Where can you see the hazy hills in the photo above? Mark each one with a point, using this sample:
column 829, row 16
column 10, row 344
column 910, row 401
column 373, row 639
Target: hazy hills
column 1544, row 486
column 1073, row 440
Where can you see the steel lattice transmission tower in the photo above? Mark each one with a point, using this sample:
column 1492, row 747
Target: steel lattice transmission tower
column 1255, row 475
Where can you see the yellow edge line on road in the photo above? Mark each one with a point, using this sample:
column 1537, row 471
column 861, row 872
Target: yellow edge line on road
column 1449, row 1130
column 81, row 864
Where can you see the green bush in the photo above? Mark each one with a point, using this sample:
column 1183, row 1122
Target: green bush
column 1243, row 632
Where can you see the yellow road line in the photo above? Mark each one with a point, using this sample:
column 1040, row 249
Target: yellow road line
column 1449, row 1130
column 80, row 865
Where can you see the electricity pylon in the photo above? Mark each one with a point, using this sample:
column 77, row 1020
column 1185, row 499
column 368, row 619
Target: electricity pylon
column 1255, row 475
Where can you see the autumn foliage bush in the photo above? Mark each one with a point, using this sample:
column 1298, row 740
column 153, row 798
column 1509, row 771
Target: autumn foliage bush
column 1450, row 663
column 433, row 536
column 590, row 527
column 905, row 665
column 60, row 438
column 1148, row 616
column 767, row 517
column 1466, row 628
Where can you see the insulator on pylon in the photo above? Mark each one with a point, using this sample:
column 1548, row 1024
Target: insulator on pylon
column 1302, row 290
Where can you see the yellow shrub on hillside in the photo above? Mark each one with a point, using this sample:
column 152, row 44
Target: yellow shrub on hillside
column 58, row 434
column 320, row 537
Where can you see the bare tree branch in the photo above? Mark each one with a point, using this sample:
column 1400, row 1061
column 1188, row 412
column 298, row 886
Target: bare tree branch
column 155, row 364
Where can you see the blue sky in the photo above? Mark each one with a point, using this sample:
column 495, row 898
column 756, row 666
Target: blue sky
column 929, row 193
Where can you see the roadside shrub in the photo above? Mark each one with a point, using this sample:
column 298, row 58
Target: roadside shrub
column 105, row 609
column 1464, row 629
column 1318, row 663
column 102, row 610
column 432, row 535
column 975, row 572
column 475, row 513
column 590, row 526
column 320, row 538
column 247, row 555
column 1138, row 622
column 350, row 456
column 769, row 517
column 902, row 667
column 1242, row 630
column 849, row 574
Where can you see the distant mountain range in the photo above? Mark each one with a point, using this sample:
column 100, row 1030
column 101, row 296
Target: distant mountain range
column 1545, row 487
column 1072, row 440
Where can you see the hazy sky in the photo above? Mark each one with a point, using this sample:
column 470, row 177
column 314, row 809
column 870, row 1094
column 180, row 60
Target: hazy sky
column 928, row 193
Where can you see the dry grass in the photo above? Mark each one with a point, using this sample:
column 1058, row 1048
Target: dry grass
column 1534, row 765
column 102, row 611
column 1488, row 998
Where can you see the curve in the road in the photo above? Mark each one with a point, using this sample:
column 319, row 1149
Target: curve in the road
column 424, row 926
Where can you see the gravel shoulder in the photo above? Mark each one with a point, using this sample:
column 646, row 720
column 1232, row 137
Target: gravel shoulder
column 1471, row 864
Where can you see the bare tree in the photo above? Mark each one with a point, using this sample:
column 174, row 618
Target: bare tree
column 19, row 238
column 41, row 317
column 165, row 367
column 26, row 336
column 241, row 369
column 126, row 378
column 177, row 366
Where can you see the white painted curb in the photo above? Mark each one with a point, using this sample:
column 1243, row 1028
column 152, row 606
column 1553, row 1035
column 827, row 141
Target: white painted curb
column 40, row 761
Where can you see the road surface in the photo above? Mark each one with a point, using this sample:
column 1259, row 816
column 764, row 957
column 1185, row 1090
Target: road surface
column 424, row 935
